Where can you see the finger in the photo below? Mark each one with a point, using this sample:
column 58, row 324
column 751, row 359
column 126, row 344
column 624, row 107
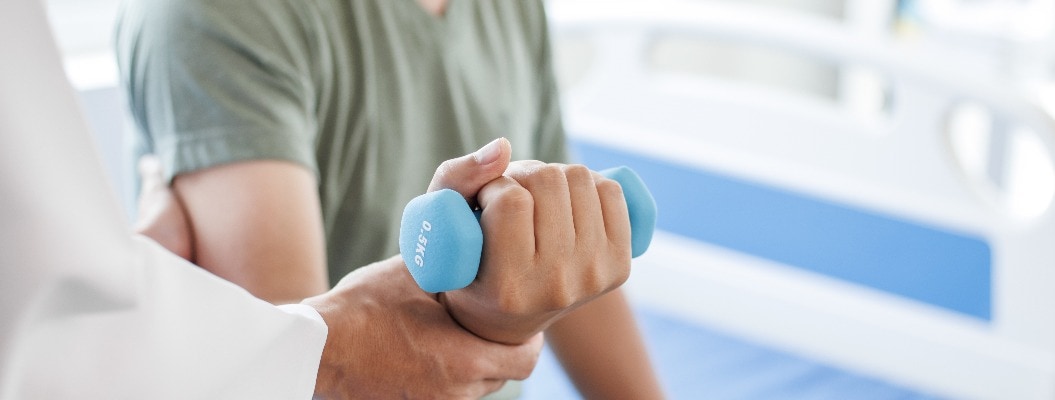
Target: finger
column 507, row 224
column 554, row 228
column 511, row 362
column 468, row 173
column 489, row 386
column 586, row 205
column 523, row 165
column 614, row 209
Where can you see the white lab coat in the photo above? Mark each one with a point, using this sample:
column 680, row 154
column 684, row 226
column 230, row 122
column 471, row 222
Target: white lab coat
column 87, row 311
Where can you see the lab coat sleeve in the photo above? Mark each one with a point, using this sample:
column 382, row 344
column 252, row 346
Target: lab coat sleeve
column 87, row 311
column 185, row 335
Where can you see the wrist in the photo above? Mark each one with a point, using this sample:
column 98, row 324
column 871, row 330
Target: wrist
column 328, row 375
column 490, row 322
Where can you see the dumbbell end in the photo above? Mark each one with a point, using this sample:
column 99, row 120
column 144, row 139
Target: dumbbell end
column 640, row 205
column 440, row 241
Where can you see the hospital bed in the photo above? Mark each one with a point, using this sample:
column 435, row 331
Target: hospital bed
column 856, row 241
column 861, row 241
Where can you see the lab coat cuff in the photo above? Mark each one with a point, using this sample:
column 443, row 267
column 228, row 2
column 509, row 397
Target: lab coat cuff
column 303, row 310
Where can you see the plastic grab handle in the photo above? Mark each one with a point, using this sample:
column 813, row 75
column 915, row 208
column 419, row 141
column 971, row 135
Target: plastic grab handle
column 441, row 241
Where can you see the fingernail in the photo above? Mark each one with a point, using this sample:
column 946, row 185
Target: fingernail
column 489, row 153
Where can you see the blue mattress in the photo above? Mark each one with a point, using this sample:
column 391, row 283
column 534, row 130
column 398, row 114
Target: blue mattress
column 695, row 362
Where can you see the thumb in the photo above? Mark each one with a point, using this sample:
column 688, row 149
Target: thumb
column 469, row 173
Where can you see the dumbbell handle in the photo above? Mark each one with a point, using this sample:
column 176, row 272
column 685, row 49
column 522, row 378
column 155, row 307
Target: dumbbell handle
column 441, row 241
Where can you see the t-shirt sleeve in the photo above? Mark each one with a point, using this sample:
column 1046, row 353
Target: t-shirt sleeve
column 214, row 82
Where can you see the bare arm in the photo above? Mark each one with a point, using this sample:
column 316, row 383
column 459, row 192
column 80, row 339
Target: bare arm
column 379, row 321
column 258, row 224
column 598, row 344
column 602, row 351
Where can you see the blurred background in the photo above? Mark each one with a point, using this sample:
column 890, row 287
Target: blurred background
column 855, row 195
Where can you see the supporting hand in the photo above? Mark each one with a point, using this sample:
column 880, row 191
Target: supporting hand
column 389, row 339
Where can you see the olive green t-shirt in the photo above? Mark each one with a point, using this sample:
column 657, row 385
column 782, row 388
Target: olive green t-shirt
column 371, row 95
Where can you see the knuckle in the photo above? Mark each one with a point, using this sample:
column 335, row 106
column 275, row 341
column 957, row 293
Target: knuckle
column 562, row 294
column 516, row 199
column 606, row 274
column 525, row 165
column 609, row 189
column 578, row 173
column 561, row 300
column 596, row 279
column 444, row 169
column 546, row 176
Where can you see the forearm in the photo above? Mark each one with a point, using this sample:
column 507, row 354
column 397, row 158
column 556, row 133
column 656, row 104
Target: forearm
column 602, row 351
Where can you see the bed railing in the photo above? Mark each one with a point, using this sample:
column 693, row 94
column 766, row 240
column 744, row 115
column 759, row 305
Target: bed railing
column 856, row 239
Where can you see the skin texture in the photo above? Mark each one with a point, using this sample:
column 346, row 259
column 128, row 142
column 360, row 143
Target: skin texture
column 577, row 220
column 562, row 282
column 258, row 224
column 557, row 236
column 379, row 320
column 403, row 344
column 586, row 351
column 161, row 214
column 582, row 346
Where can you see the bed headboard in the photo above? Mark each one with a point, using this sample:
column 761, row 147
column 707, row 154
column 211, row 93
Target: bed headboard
column 857, row 239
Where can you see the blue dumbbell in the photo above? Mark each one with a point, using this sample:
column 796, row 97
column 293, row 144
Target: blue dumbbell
column 441, row 241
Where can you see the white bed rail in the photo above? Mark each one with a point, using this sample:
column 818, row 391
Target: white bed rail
column 898, row 163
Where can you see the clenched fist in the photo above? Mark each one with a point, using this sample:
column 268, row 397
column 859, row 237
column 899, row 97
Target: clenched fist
column 555, row 237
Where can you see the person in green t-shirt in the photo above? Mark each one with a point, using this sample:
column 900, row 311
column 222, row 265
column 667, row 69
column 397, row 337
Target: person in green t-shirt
column 292, row 132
